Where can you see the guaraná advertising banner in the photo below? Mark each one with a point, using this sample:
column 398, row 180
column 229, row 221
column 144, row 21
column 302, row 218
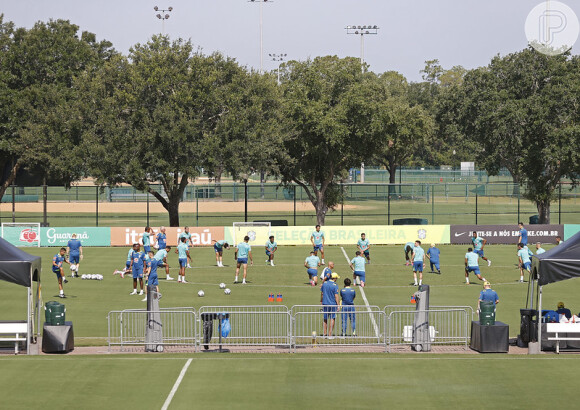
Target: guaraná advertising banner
column 87, row 236
column 506, row 234
column 341, row 235
column 200, row 236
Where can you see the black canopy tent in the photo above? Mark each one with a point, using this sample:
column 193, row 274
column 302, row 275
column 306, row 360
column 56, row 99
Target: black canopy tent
column 21, row 268
column 559, row 263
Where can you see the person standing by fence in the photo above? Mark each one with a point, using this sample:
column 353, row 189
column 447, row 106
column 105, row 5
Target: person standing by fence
column 347, row 296
column 329, row 302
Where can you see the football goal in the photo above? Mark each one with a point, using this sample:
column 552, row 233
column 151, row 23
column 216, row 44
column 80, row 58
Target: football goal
column 22, row 234
column 258, row 232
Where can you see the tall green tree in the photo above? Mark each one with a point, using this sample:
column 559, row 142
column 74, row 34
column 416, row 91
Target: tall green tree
column 523, row 111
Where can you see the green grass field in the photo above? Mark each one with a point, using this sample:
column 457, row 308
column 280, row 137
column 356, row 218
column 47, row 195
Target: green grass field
column 283, row 380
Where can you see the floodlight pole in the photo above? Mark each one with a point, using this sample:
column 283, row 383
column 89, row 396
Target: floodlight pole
column 278, row 58
column 162, row 16
column 261, row 32
column 362, row 31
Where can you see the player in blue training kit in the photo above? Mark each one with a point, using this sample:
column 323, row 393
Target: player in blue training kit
column 364, row 246
column 317, row 239
column 478, row 244
column 152, row 278
column 271, row 247
column 146, row 238
column 357, row 264
column 57, row 261
column 418, row 262
column 472, row 265
column 329, row 302
column 524, row 260
column 185, row 234
column 243, row 252
column 137, row 267
column 161, row 255
column 161, row 238
column 219, row 247
column 523, row 234
column 127, row 267
column 311, row 263
column 74, row 248
column 184, row 258
column 408, row 249
column 347, row 296
column 433, row 254
column 326, row 272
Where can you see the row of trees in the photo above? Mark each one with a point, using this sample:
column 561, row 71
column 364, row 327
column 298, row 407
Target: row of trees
column 71, row 106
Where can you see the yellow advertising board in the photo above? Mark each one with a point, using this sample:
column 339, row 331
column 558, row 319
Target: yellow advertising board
column 341, row 235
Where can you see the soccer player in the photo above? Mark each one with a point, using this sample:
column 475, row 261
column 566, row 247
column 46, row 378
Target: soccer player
column 326, row 272
column 219, row 247
column 147, row 239
column 329, row 302
column 559, row 240
column 137, row 267
column 523, row 234
column 524, row 260
column 127, row 267
column 152, row 279
column 317, row 239
column 74, row 248
column 243, row 252
column 478, row 244
column 271, row 247
column 347, row 295
column 433, row 254
column 487, row 294
column 363, row 246
column 539, row 249
column 418, row 262
column 161, row 239
column 311, row 263
column 185, row 234
column 184, row 258
column 472, row 265
column 161, row 255
column 357, row 264
column 408, row 248
column 57, row 261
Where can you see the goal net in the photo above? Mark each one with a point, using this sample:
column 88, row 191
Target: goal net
column 25, row 234
column 259, row 232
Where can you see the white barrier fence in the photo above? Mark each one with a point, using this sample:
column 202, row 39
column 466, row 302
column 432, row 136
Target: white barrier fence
column 298, row 327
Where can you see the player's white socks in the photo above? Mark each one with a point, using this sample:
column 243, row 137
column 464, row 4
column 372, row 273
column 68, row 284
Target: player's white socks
column 483, row 279
column 323, row 261
column 61, row 292
column 521, row 278
column 243, row 281
column 272, row 263
column 179, row 279
column 420, row 282
column 235, row 280
column 467, row 281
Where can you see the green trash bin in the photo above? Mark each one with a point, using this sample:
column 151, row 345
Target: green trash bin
column 54, row 313
column 487, row 313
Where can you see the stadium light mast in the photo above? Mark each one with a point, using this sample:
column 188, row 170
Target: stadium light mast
column 362, row 31
column 278, row 58
column 261, row 32
column 162, row 16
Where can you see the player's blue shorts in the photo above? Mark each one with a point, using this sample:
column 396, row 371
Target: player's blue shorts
column 153, row 280
column 74, row 258
column 434, row 264
column 127, row 265
column 474, row 269
column 366, row 253
column 147, row 248
column 360, row 274
column 243, row 261
column 527, row 266
column 312, row 272
column 329, row 312
column 418, row 266
column 479, row 252
column 217, row 248
column 56, row 272
column 137, row 274
column 318, row 248
column 268, row 252
column 182, row 262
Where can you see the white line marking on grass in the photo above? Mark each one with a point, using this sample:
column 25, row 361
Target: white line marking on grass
column 364, row 296
column 176, row 385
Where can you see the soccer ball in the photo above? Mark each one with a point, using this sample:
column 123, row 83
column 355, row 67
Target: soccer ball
column 201, row 293
column 73, row 267
column 227, row 291
column 222, row 285
column 83, row 276
column 99, row 277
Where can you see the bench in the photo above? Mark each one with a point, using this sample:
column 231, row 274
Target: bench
column 566, row 328
column 14, row 331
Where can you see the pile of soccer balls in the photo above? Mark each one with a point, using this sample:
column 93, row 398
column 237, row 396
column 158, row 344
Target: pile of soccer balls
column 227, row 291
column 92, row 277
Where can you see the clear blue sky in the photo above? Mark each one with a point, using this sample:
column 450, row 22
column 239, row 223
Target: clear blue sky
column 457, row 32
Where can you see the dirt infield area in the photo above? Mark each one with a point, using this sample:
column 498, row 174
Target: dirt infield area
column 156, row 207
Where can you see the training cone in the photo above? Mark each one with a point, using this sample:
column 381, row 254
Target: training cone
column 271, row 297
column 413, row 300
column 279, row 297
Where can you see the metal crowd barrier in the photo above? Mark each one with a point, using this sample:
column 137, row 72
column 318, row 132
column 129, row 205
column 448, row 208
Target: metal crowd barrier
column 446, row 326
column 250, row 326
column 127, row 327
column 395, row 308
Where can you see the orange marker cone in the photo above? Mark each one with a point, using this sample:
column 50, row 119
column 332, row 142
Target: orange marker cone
column 279, row 297
column 413, row 299
column 271, row 297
